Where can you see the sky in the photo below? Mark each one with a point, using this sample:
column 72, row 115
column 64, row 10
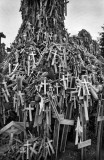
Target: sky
column 81, row 14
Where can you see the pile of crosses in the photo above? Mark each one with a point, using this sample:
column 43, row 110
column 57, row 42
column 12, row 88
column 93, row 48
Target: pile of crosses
column 47, row 78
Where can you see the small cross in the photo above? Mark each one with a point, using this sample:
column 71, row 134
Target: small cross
column 30, row 111
column 41, row 103
column 6, row 98
column 45, row 85
column 34, row 62
column 60, row 68
column 21, row 97
column 50, row 88
column 27, row 145
column 6, row 89
column 64, row 81
column 22, row 150
column 54, row 58
column 33, row 149
column 57, row 88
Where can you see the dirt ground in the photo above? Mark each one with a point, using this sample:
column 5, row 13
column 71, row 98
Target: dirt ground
column 72, row 153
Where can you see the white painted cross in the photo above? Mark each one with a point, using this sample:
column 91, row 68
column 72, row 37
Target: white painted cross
column 64, row 81
column 30, row 111
column 45, row 85
column 54, row 58
column 28, row 146
column 34, row 62
column 21, row 97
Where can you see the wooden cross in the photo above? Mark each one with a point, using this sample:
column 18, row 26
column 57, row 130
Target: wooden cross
column 34, row 62
column 73, row 96
column 30, row 111
column 64, row 81
column 60, row 68
column 83, row 143
column 51, row 89
column 28, row 146
column 33, row 149
column 54, row 58
column 79, row 130
column 6, row 89
column 100, row 117
column 22, row 151
column 21, row 97
column 41, row 103
column 45, row 85
column 57, row 89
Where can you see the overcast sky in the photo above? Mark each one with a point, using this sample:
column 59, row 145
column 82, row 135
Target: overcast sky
column 81, row 14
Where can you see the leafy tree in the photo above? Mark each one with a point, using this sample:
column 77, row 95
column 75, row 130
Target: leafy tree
column 102, row 42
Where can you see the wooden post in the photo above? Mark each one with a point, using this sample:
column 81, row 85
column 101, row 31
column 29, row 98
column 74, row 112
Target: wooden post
column 100, row 133
column 66, row 128
column 83, row 150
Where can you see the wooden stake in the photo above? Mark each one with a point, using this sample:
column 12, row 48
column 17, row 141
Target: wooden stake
column 66, row 128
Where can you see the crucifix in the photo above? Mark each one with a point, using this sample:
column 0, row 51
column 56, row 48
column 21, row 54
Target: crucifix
column 28, row 147
column 30, row 111
column 64, row 81
column 45, row 85
column 54, row 58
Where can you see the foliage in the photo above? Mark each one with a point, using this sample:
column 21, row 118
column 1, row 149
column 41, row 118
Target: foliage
column 102, row 42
